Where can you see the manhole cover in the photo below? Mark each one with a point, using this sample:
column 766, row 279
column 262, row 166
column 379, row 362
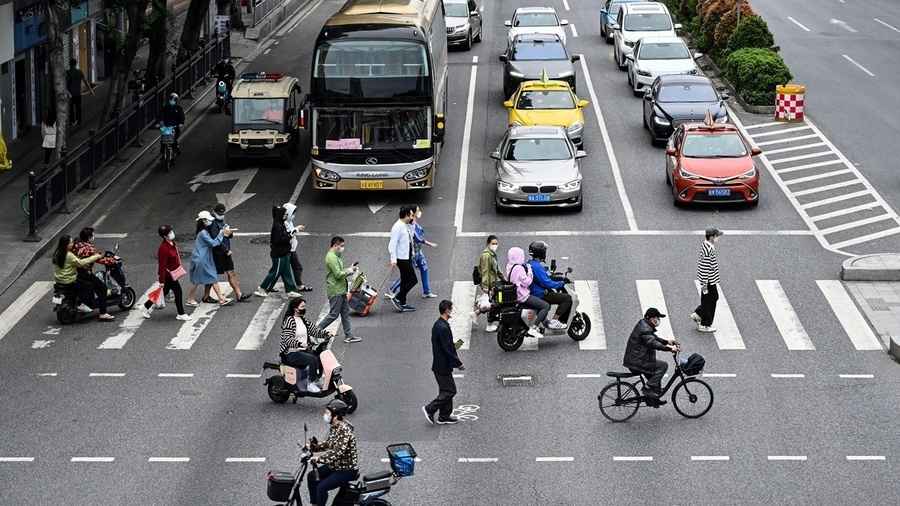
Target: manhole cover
column 516, row 380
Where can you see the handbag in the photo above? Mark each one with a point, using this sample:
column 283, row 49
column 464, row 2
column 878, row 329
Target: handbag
column 177, row 273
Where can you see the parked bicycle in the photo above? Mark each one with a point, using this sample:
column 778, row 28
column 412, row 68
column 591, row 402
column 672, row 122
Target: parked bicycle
column 691, row 397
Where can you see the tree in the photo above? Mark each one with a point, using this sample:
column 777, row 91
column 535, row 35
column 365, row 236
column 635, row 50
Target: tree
column 57, row 18
column 136, row 12
column 190, row 33
column 158, row 37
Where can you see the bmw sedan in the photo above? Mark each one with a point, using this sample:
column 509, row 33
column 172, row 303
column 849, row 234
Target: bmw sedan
column 538, row 166
column 531, row 57
column 676, row 99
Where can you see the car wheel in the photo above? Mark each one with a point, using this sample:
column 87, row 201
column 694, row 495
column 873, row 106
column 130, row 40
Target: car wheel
column 468, row 44
column 630, row 80
column 580, row 206
column 668, row 177
column 754, row 204
column 620, row 61
column 507, row 92
column 480, row 31
column 644, row 120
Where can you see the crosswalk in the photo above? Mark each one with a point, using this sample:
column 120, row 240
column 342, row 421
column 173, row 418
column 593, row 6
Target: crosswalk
column 254, row 334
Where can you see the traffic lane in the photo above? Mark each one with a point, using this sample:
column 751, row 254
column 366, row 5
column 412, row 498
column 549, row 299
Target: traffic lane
column 827, row 19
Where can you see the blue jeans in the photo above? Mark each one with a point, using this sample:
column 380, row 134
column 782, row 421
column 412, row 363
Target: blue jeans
column 420, row 262
column 328, row 480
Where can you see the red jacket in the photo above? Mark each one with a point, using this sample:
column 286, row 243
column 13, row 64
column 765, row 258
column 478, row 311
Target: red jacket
column 169, row 260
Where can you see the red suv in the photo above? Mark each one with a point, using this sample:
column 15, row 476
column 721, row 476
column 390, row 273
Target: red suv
column 711, row 163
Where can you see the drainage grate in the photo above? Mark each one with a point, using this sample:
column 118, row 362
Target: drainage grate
column 516, row 380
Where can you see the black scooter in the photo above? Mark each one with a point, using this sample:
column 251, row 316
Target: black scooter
column 65, row 297
column 223, row 97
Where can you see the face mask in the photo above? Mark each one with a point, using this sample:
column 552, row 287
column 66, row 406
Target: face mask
column 340, row 249
column 418, row 214
column 206, row 223
column 494, row 247
column 219, row 217
column 327, row 417
column 301, row 312
column 171, row 235
column 171, row 102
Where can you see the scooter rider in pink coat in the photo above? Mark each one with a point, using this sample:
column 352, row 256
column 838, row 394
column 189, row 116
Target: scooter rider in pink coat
column 519, row 273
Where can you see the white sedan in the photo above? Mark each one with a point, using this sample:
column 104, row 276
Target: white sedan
column 536, row 20
column 657, row 56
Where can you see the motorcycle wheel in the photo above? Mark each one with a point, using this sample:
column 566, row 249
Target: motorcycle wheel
column 65, row 315
column 278, row 391
column 128, row 298
column 579, row 327
column 508, row 339
column 349, row 397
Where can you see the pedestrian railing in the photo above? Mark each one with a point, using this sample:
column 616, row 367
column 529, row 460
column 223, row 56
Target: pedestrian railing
column 262, row 8
column 79, row 166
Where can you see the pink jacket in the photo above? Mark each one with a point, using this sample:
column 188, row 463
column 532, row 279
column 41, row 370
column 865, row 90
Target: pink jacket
column 518, row 273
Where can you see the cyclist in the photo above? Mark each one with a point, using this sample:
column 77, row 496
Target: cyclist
column 173, row 116
column 546, row 288
column 640, row 355
column 338, row 462
column 224, row 71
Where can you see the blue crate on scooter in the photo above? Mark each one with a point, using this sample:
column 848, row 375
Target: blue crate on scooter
column 403, row 459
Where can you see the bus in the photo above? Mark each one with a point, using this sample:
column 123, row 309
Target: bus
column 378, row 95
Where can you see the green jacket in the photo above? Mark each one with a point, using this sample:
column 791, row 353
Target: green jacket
column 66, row 274
column 335, row 275
column 489, row 269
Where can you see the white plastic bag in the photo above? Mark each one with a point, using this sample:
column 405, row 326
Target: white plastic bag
column 484, row 303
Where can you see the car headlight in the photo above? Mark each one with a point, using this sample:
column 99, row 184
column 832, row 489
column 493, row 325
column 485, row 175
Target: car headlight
column 517, row 123
column 513, row 73
column 417, row 173
column 643, row 73
column 629, row 43
column 571, row 185
column 750, row 173
column 661, row 121
column 687, row 175
column 568, row 73
column 327, row 174
column 461, row 28
column 575, row 128
column 505, row 187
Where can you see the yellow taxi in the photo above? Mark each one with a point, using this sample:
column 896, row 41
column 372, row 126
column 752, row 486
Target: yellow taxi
column 547, row 102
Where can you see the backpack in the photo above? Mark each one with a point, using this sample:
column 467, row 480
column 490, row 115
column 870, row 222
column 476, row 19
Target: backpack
column 694, row 365
column 476, row 276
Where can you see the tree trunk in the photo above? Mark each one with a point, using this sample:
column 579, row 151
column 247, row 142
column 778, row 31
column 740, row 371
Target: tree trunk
column 136, row 11
column 158, row 42
column 190, row 34
column 57, row 11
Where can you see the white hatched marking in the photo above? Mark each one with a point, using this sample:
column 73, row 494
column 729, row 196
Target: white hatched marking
column 169, row 459
column 855, row 224
column 262, row 324
column 475, row 460
column 633, row 459
column 799, row 458
column 764, row 125
column 191, row 330
column 801, row 157
column 22, row 305
column 707, row 458
column 846, row 312
column 129, row 326
column 882, row 23
column 463, row 299
column 865, row 457
column 788, row 139
column 727, row 335
column 815, row 177
column 16, row 459
column 858, row 65
column 806, row 166
column 794, row 148
column 650, row 294
column 719, row 375
column 554, row 459
column 867, row 238
column 574, row 31
column 780, row 132
column 801, row 25
column 589, row 302
column 41, row 344
column 833, row 186
column 93, row 459
column 786, row 319
column 846, row 211
column 838, row 198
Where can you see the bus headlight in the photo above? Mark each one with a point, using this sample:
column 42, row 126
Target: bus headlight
column 417, row 173
column 327, row 175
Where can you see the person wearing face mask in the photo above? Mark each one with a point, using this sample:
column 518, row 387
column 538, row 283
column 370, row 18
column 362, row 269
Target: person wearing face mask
column 443, row 360
column 298, row 336
column 169, row 270
column 419, row 259
column 203, row 268
column 336, row 289
column 173, row 116
column 280, row 252
column 489, row 272
column 336, row 459
column 294, row 231
column 400, row 248
column 640, row 355
column 83, row 248
column 222, row 257
column 708, row 277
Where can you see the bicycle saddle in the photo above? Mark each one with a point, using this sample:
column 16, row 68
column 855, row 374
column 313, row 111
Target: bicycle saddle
column 614, row 374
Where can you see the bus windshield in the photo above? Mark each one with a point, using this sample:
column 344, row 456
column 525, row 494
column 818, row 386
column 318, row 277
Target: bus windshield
column 372, row 68
column 368, row 128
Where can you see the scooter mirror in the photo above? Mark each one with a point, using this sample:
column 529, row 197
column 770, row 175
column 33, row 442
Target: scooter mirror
column 553, row 265
column 569, row 270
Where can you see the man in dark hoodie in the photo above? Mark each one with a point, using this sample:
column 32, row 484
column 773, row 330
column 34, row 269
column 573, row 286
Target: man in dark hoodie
column 280, row 251
column 640, row 354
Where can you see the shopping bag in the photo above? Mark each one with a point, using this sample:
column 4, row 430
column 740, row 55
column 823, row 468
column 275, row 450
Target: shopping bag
column 484, row 303
column 177, row 273
column 156, row 293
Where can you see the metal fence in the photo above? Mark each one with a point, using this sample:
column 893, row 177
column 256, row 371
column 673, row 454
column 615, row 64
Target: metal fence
column 79, row 166
column 262, row 8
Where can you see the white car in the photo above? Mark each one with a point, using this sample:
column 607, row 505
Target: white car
column 657, row 56
column 536, row 20
column 636, row 21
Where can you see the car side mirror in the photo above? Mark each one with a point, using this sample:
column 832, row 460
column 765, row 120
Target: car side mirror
column 564, row 22
column 615, row 26
column 507, row 23
column 576, row 58
column 580, row 154
column 495, row 155
column 698, row 55
column 508, row 104
column 725, row 96
column 583, row 103
column 648, row 95
column 503, row 58
column 671, row 151
column 678, row 26
column 755, row 151
column 629, row 57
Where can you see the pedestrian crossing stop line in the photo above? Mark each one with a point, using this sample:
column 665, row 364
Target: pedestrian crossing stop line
column 851, row 320
column 23, row 303
column 262, row 324
column 786, row 319
column 191, row 330
column 128, row 328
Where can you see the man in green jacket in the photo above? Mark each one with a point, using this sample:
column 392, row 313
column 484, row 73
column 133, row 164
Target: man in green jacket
column 490, row 272
column 336, row 289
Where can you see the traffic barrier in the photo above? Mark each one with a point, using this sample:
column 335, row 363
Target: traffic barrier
column 789, row 102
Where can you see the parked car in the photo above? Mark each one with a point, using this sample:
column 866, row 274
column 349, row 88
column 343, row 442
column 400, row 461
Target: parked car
column 675, row 99
column 608, row 14
column 536, row 20
column 636, row 21
column 531, row 55
column 547, row 102
column 538, row 166
column 658, row 56
column 463, row 20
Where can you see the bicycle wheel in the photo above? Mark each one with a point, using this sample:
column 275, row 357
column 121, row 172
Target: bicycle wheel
column 619, row 401
column 692, row 398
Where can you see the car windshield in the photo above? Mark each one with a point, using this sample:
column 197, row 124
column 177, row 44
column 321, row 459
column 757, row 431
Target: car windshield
column 538, row 50
column 545, row 99
column 647, row 22
column 664, row 51
column 261, row 113
column 687, row 93
column 615, row 7
column 456, row 10
column 725, row 145
column 536, row 19
column 536, row 150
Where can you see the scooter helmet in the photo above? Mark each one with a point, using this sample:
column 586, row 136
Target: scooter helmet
column 538, row 250
column 173, row 96
column 338, row 408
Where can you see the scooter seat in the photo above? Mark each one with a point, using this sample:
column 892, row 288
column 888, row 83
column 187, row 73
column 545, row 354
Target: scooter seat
column 616, row 374
column 380, row 475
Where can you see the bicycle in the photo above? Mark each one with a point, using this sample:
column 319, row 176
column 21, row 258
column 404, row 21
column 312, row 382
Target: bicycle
column 167, row 141
column 620, row 400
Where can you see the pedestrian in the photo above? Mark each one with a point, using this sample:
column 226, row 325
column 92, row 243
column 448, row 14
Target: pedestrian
column 74, row 79
column 169, row 270
column 294, row 230
column 400, row 248
column 519, row 273
column 48, row 132
column 443, row 360
column 708, row 277
column 280, row 252
column 419, row 259
column 489, row 273
column 222, row 256
column 336, row 289
column 203, row 267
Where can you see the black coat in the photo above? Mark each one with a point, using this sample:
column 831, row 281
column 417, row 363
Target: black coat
column 640, row 352
column 279, row 238
column 443, row 353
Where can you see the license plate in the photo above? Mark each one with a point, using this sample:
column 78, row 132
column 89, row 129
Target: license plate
column 539, row 198
column 57, row 300
column 371, row 185
column 719, row 192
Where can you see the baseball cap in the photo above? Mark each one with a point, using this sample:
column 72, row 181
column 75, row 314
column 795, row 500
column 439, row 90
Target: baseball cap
column 204, row 215
column 652, row 312
column 219, row 209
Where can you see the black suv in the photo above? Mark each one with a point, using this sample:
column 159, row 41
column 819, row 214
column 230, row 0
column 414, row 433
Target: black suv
column 528, row 55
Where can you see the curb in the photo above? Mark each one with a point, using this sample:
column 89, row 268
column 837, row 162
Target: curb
column 876, row 267
column 894, row 347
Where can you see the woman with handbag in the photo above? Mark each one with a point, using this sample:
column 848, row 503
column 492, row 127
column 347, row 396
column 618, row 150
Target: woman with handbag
column 203, row 267
column 170, row 270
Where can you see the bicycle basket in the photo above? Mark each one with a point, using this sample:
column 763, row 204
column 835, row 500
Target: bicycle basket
column 694, row 365
column 166, row 134
column 403, row 459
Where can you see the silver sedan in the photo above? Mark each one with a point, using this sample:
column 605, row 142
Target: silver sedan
column 538, row 166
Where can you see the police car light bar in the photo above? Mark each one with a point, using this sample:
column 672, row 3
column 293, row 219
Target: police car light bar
column 261, row 76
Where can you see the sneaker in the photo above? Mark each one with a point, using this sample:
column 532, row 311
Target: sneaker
column 183, row 317
column 429, row 295
column 352, row 339
column 556, row 325
column 145, row 313
column 293, row 295
column 406, row 308
column 312, row 388
column 389, row 295
column 83, row 308
column 244, row 297
column 706, row 328
column 450, row 420
column 694, row 316
column 208, row 300
column 396, row 304
column 259, row 292
column 106, row 317
column 492, row 327
column 428, row 416
column 535, row 332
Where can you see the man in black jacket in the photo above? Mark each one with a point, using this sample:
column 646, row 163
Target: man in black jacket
column 280, row 251
column 444, row 360
column 640, row 354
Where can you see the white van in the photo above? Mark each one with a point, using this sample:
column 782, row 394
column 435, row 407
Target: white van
column 637, row 20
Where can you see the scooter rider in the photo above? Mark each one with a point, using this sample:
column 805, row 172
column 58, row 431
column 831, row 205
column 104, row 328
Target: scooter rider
column 338, row 462
column 225, row 72
column 173, row 116
column 546, row 288
column 298, row 335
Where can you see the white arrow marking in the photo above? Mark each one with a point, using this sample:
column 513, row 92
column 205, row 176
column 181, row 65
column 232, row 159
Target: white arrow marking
column 842, row 24
column 376, row 206
column 237, row 195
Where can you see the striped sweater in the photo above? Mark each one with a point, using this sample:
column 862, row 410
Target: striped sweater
column 293, row 338
column 708, row 264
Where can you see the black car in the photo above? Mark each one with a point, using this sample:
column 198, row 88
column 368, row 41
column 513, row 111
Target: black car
column 675, row 99
column 528, row 55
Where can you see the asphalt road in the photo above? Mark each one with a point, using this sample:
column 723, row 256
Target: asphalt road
column 789, row 426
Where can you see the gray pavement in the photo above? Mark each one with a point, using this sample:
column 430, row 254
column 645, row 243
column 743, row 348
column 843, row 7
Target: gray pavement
column 64, row 398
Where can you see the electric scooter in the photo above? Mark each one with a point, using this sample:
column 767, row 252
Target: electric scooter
column 65, row 297
column 291, row 381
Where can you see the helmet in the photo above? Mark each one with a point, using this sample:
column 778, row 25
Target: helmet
column 538, row 249
column 173, row 96
column 337, row 407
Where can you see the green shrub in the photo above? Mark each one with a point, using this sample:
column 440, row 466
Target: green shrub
column 688, row 9
column 752, row 31
column 754, row 73
column 725, row 28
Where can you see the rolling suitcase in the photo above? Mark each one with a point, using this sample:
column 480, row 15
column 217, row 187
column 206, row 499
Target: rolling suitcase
column 362, row 296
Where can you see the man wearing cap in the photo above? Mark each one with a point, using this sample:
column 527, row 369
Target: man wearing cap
column 640, row 354
column 708, row 276
column 223, row 258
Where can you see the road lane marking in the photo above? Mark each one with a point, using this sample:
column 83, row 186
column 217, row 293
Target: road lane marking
column 800, row 157
column 588, row 233
column 807, row 166
column 815, row 177
column 554, row 459
column 882, row 23
column 727, row 335
column 800, row 458
column 92, row 459
column 787, row 375
column 262, row 324
column 107, row 375
column 856, row 376
column 786, row 139
column 833, row 186
column 464, row 154
column 110, row 236
column 242, row 375
column 843, row 24
column 865, row 457
column 708, row 458
column 851, row 60
column 169, row 459
column 831, row 200
column 16, row 459
column 650, row 294
column 848, row 315
column 191, row 330
column 385, row 460
column 588, row 293
column 778, row 132
column 633, row 459
column 128, row 328
column 296, row 19
column 582, row 376
column 608, row 145
column 801, row 25
column 459, row 376
column 22, row 305
column 475, row 460
column 719, row 375
column 793, row 148
column 574, row 31
column 463, row 299
column 267, row 51
column 244, row 459
column 175, row 375
column 855, row 224
column 295, row 195
column 565, row 4
column 764, row 125
column 334, row 326
column 786, row 319
column 48, row 374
